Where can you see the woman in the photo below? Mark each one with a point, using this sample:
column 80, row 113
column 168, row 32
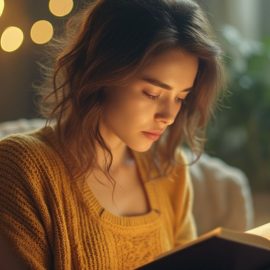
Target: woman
column 105, row 185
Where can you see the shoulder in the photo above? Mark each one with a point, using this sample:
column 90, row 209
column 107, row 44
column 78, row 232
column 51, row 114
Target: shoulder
column 177, row 183
column 147, row 161
column 26, row 154
column 30, row 169
column 178, row 173
column 173, row 179
column 181, row 166
column 23, row 146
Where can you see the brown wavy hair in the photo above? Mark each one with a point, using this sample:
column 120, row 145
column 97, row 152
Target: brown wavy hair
column 106, row 43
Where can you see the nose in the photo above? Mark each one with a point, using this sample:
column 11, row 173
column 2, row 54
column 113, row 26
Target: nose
column 166, row 113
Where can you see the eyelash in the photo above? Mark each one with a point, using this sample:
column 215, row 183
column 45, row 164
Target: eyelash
column 153, row 97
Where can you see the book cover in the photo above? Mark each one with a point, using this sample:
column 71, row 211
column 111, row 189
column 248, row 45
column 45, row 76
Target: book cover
column 220, row 249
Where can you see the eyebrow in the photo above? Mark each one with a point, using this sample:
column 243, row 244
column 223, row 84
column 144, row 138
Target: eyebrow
column 162, row 84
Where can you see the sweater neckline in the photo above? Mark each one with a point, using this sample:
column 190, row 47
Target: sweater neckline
column 92, row 203
column 106, row 216
column 148, row 218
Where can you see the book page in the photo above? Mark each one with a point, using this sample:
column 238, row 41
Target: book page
column 246, row 238
column 263, row 231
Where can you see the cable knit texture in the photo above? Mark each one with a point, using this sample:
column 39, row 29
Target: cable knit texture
column 54, row 222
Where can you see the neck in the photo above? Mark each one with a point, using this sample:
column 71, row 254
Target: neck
column 121, row 158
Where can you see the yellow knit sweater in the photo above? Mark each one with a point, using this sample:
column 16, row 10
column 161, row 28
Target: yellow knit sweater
column 48, row 227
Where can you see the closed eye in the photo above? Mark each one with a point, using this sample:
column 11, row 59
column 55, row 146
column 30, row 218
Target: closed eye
column 151, row 96
column 155, row 97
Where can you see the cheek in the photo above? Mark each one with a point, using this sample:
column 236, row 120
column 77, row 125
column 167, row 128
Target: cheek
column 130, row 112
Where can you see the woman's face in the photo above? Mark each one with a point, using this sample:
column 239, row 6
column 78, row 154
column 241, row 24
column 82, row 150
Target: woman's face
column 137, row 114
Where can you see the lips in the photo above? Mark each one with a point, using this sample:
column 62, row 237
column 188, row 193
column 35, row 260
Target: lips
column 153, row 135
column 155, row 132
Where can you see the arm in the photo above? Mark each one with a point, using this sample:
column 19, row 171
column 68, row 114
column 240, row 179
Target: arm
column 21, row 221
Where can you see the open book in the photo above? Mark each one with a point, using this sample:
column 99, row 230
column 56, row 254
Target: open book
column 220, row 249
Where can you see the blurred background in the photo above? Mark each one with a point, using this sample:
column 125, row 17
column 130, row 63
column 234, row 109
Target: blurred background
column 240, row 132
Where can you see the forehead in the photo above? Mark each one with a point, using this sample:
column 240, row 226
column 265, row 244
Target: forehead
column 175, row 67
column 171, row 61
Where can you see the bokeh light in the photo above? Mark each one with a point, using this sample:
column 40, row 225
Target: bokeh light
column 11, row 39
column 2, row 5
column 41, row 32
column 60, row 8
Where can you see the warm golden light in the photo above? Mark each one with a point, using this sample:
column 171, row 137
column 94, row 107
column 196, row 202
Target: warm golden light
column 61, row 8
column 2, row 5
column 41, row 32
column 11, row 39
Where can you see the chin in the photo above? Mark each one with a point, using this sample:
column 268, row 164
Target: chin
column 138, row 144
column 141, row 148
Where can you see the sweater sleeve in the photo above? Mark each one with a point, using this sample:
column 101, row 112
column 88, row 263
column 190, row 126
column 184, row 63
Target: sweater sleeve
column 21, row 213
column 185, row 229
